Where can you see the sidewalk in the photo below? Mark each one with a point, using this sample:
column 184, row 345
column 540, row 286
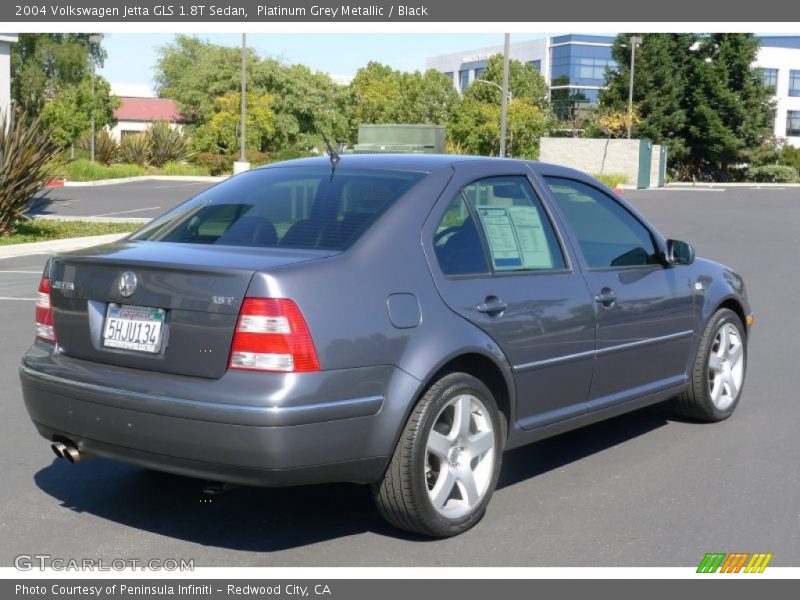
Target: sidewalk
column 98, row 182
column 53, row 246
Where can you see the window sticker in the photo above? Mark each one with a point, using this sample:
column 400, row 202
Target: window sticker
column 533, row 244
column 516, row 237
column 500, row 235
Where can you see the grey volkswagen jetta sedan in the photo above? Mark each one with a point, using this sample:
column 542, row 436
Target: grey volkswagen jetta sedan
column 392, row 320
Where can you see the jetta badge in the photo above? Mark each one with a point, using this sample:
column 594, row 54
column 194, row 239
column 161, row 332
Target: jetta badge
column 127, row 283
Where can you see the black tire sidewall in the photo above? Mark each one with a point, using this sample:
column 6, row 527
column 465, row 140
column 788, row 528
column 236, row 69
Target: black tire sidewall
column 721, row 318
column 448, row 387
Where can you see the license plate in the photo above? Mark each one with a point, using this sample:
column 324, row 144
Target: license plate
column 138, row 328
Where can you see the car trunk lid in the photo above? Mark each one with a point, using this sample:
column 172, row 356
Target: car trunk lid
column 199, row 288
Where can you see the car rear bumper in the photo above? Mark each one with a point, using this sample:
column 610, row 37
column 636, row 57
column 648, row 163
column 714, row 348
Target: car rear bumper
column 321, row 427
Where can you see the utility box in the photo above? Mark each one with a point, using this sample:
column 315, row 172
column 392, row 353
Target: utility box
column 393, row 138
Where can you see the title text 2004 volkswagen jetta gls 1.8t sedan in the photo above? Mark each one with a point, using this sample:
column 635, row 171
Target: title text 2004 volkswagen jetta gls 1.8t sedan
column 396, row 321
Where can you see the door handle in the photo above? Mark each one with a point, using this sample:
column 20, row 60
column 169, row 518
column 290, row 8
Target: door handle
column 606, row 297
column 492, row 306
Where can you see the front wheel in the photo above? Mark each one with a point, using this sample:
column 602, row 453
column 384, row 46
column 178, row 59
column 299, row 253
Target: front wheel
column 446, row 463
column 719, row 370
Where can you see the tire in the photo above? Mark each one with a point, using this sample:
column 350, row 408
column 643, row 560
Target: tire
column 435, row 449
column 718, row 373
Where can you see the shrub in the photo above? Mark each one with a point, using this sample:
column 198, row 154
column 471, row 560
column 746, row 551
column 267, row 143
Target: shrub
column 133, row 149
column 772, row 174
column 106, row 148
column 217, row 164
column 28, row 155
column 290, row 154
column 257, row 158
column 612, row 180
column 790, row 156
column 166, row 144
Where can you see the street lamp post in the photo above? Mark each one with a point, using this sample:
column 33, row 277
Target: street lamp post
column 506, row 96
column 635, row 40
column 504, row 108
column 244, row 93
column 242, row 164
column 94, row 41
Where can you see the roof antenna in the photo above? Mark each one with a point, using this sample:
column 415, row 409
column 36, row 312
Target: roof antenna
column 334, row 156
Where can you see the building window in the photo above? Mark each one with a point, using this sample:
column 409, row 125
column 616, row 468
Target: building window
column 580, row 65
column 463, row 80
column 793, row 123
column 479, row 72
column 794, row 83
column 536, row 64
column 770, row 78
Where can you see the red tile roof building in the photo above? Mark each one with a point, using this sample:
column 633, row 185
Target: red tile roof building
column 148, row 110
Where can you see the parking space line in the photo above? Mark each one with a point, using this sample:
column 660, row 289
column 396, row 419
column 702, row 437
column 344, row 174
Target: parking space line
column 10, row 298
column 124, row 212
column 39, row 272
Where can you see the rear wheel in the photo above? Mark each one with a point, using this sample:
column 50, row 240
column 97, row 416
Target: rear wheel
column 446, row 463
column 719, row 370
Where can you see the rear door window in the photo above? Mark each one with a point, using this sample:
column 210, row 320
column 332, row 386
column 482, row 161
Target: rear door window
column 457, row 243
column 292, row 207
column 517, row 229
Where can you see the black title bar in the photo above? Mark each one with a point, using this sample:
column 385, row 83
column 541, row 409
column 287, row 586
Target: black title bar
column 465, row 11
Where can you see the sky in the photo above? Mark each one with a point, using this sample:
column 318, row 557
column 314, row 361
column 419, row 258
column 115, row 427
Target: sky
column 132, row 57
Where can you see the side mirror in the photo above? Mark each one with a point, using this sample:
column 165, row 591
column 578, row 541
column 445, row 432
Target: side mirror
column 679, row 253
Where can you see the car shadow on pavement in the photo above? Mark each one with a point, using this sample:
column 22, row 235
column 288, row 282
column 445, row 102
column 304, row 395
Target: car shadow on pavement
column 272, row 519
column 555, row 452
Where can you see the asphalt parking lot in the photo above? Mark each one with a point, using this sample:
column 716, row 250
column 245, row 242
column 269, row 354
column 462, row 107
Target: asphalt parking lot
column 644, row 489
column 138, row 199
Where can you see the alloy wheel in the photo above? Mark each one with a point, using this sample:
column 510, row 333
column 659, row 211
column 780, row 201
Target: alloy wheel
column 726, row 366
column 459, row 456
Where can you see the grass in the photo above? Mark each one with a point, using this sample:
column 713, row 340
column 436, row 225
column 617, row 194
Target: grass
column 40, row 230
column 83, row 169
column 612, row 180
column 174, row 168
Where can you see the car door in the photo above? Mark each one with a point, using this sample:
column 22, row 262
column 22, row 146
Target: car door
column 499, row 263
column 644, row 308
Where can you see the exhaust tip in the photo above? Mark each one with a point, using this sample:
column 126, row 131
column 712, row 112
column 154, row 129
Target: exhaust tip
column 58, row 449
column 72, row 454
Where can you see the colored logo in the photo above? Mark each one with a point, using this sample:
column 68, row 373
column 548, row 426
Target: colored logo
column 735, row 562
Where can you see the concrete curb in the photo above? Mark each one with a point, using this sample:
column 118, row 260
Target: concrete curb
column 64, row 245
column 752, row 184
column 93, row 219
column 179, row 178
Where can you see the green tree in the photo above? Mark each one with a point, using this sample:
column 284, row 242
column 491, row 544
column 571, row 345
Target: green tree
column 69, row 112
column 195, row 73
column 524, row 83
column 475, row 128
column 43, row 63
column 380, row 94
column 696, row 94
column 730, row 109
column 223, row 130
column 306, row 104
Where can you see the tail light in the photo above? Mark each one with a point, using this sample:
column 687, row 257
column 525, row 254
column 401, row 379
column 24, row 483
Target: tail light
column 272, row 335
column 44, row 312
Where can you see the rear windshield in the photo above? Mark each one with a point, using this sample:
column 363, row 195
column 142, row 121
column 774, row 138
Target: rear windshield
column 291, row 207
